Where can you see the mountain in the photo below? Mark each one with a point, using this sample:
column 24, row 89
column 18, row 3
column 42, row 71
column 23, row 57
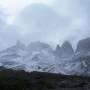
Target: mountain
column 83, row 45
column 37, row 56
column 82, row 63
column 65, row 51
column 19, row 47
column 82, row 57
column 58, row 51
column 64, row 60
column 79, row 63
column 40, row 57
column 12, row 56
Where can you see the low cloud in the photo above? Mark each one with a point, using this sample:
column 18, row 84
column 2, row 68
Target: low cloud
column 52, row 22
column 63, row 20
column 40, row 22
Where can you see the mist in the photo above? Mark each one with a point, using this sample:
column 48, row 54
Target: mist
column 52, row 22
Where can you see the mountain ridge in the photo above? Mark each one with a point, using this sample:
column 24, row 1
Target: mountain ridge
column 39, row 56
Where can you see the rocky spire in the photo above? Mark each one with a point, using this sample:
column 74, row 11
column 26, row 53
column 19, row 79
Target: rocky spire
column 58, row 51
column 83, row 45
column 66, row 49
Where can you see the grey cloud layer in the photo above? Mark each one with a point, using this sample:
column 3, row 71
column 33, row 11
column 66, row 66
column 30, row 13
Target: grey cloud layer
column 62, row 20
column 42, row 23
column 8, row 34
column 65, row 19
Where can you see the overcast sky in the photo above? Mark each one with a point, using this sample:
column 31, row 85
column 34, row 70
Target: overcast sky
column 50, row 21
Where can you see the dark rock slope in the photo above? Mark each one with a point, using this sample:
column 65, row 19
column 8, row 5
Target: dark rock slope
column 20, row 80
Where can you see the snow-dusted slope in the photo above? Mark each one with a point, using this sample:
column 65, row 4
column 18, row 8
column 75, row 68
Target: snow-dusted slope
column 39, row 56
column 13, row 56
column 79, row 63
column 36, row 57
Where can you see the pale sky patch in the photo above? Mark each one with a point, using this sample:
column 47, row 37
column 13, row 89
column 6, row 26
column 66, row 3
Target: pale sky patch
column 13, row 7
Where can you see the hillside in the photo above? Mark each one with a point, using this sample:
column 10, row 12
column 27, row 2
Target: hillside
column 21, row 80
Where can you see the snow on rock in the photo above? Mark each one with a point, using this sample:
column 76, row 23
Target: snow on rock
column 40, row 56
column 12, row 55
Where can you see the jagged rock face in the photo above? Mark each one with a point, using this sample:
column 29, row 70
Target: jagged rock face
column 38, row 51
column 19, row 47
column 58, row 51
column 37, row 56
column 41, row 57
column 82, row 63
column 12, row 56
column 66, row 50
column 83, row 45
column 82, row 56
column 79, row 65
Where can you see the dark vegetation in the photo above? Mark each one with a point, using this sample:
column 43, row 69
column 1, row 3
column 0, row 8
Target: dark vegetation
column 21, row 80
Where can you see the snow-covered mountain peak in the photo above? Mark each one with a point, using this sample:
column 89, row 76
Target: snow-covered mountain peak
column 39, row 56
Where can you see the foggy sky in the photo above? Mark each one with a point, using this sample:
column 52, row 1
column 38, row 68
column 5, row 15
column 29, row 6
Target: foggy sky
column 52, row 22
